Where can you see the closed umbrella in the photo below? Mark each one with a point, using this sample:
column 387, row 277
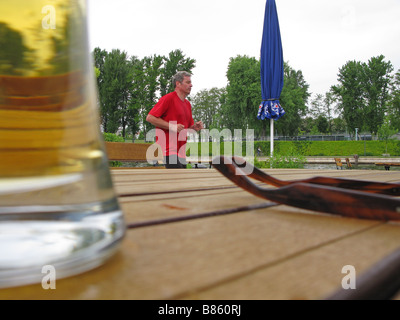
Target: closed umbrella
column 271, row 60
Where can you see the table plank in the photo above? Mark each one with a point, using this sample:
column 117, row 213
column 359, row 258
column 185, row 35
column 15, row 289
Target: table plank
column 193, row 204
column 166, row 182
column 165, row 175
column 316, row 274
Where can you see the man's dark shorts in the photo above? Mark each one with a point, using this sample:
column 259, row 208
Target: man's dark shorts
column 174, row 162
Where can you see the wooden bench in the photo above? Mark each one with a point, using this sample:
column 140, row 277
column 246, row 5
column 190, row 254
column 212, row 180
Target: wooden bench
column 387, row 165
column 135, row 152
column 339, row 163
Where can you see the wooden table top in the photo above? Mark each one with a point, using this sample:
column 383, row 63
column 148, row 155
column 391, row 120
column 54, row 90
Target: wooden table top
column 194, row 235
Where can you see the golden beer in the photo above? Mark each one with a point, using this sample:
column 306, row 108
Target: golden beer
column 53, row 166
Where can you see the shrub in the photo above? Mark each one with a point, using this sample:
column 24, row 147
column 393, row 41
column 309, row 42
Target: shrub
column 112, row 137
column 291, row 159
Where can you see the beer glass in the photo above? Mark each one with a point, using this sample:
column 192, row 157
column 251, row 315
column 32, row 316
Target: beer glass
column 57, row 203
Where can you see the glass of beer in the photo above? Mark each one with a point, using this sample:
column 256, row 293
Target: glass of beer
column 57, row 203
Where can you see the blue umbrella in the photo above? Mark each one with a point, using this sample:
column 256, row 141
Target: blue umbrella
column 271, row 61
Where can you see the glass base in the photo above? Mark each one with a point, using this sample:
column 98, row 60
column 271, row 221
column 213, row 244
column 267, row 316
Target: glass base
column 70, row 247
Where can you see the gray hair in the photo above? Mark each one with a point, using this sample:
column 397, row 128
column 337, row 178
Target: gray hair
column 179, row 77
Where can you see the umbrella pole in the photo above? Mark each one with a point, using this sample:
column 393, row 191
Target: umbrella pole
column 272, row 137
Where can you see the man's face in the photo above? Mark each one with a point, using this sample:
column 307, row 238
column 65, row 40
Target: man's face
column 185, row 86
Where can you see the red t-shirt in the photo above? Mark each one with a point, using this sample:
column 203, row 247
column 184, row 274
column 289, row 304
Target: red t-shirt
column 172, row 109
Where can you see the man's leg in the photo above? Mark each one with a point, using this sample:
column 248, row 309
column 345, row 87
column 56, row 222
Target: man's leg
column 173, row 162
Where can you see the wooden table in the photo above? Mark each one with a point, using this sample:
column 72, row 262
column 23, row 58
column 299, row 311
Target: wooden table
column 225, row 242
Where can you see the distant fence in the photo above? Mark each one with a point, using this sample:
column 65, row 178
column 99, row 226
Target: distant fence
column 320, row 138
column 298, row 138
column 335, row 137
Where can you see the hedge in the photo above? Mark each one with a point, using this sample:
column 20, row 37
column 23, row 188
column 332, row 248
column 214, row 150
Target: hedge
column 112, row 137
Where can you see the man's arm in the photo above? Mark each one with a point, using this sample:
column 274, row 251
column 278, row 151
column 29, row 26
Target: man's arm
column 161, row 123
column 197, row 126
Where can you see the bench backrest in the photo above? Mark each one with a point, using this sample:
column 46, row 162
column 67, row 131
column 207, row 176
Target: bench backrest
column 135, row 152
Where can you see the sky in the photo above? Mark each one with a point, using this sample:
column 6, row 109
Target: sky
column 318, row 36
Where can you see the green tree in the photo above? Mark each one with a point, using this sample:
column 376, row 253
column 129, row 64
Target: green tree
column 307, row 123
column 118, row 79
column 13, row 52
column 338, row 125
column 129, row 87
column 206, row 106
column 137, row 100
column 294, row 97
column 322, row 124
column 70, row 43
column 96, row 72
column 99, row 57
column 377, row 81
column 243, row 94
column 315, row 109
column 386, row 131
column 394, row 103
column 152, row 66
column 176, row 61
column 328, row 110
column 349, row 94
column 363, row 93
column 321, row 110
column 131, row 113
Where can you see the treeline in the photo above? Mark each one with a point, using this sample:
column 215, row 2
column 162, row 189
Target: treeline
column 367, row 96
column 129, row 87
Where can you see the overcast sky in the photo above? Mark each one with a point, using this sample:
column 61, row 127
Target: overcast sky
column 318, row 36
